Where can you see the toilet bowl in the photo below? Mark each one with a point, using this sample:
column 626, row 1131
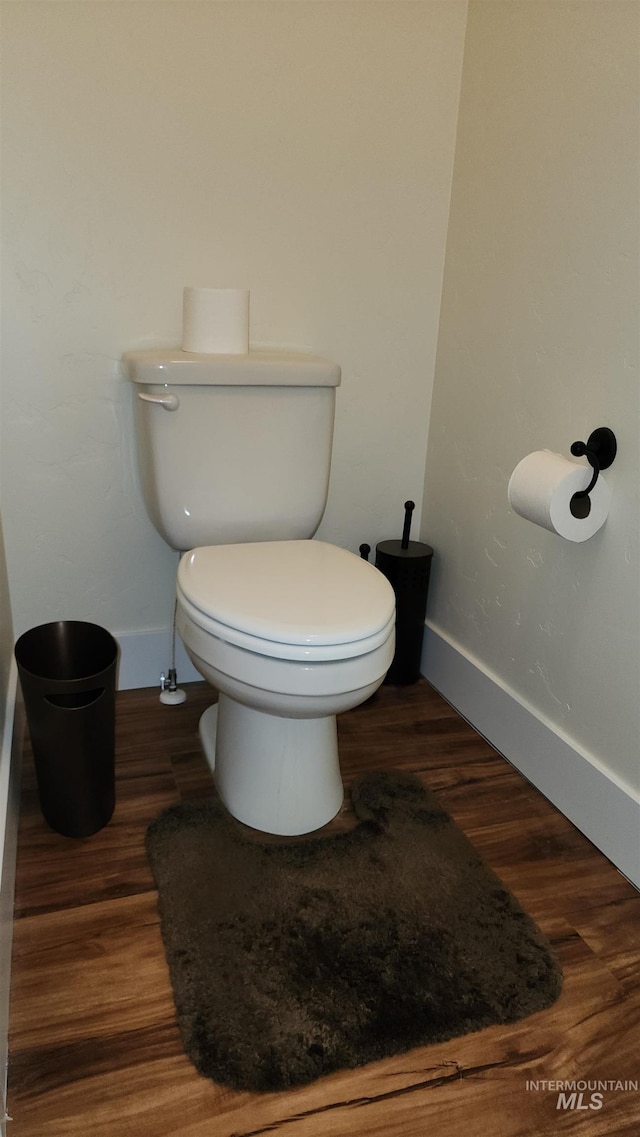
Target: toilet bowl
column 291, row 633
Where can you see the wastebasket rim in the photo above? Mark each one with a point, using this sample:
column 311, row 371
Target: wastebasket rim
column 106, row 648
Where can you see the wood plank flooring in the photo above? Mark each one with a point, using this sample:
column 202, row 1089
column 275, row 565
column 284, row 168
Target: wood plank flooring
column 94, row 1049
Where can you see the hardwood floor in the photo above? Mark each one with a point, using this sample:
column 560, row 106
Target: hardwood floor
column 94, row 1049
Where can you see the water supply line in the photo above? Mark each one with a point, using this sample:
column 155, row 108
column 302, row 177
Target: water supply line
column 170, row 694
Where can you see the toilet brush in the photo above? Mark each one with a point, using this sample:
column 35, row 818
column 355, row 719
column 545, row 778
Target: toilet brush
column 407, row 566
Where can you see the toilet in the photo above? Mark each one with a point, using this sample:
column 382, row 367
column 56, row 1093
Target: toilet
column 234, row 454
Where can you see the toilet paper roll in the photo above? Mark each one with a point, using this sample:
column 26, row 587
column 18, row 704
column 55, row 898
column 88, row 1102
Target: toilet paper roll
column 216, row 321
column 541, row 489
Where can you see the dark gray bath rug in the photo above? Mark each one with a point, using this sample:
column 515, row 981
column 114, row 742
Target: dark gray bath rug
column 293, row 959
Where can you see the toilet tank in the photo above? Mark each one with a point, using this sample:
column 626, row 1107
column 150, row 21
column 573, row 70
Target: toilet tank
column 233, row 448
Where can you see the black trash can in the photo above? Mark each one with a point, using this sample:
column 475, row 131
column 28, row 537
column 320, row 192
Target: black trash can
column 68, row 676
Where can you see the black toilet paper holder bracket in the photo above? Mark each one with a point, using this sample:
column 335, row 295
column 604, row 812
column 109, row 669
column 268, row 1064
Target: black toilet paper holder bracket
column 600, row 450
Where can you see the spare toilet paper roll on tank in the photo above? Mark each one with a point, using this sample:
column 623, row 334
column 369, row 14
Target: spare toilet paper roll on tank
column 215, row 321
column 541, row 488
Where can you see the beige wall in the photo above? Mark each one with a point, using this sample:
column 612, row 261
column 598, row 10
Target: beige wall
column 538, row 346
column 303, row 150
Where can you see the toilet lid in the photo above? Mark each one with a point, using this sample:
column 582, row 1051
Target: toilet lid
column 290, row 592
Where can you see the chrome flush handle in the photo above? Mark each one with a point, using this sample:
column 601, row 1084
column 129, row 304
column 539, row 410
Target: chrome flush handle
column 170, row 402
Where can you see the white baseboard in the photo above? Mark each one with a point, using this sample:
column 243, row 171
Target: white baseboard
column 144, row 656
column 10, row 761
column 597, row 802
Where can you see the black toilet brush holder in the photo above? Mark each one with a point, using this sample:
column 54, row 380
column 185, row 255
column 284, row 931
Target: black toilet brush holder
column 407, row 566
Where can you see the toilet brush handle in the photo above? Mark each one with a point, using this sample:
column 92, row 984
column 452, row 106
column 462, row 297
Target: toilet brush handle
column 409, row 507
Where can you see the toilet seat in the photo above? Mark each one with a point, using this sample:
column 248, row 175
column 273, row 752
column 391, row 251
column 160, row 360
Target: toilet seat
column 275, row 650
column 298, row 600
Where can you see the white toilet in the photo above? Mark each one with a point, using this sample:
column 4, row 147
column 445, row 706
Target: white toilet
column 235, row 452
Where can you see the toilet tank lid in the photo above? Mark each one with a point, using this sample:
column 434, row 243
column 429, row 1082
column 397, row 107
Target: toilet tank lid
column 264, row 368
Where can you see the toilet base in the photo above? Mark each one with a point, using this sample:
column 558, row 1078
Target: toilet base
column 278, row 775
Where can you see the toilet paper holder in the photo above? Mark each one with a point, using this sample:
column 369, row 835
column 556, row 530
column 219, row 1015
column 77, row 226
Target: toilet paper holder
column 600, row 450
